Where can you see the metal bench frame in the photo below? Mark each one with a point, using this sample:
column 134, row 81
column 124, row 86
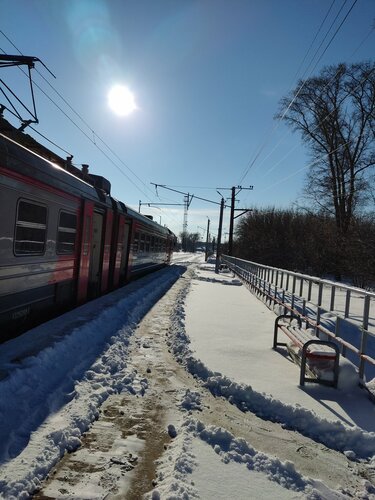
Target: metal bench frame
column 305, row 354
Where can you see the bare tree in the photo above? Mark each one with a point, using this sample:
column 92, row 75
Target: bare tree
column 335, row 113
column 189, row 241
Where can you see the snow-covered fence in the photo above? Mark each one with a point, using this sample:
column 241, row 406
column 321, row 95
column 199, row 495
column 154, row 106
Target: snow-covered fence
column 339, row 311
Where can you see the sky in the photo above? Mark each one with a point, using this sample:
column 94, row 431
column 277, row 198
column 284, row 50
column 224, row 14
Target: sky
column 207, row 77
column 102, row 404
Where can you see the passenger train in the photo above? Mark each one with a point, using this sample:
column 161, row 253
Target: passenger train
column 63, row 239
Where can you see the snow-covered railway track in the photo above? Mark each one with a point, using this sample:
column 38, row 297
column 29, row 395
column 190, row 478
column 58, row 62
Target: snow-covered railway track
column 132, row 448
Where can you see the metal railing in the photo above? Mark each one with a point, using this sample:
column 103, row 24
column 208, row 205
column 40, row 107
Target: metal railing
column 338, row 311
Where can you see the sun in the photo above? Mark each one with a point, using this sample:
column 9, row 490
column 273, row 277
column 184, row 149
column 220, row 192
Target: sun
column 121, row 100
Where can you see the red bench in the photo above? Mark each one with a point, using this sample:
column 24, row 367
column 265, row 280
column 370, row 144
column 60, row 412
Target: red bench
column 317, row 357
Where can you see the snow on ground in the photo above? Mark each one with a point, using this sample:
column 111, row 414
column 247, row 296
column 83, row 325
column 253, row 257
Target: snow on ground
column 233, row 478
column 230, row 348
column 233, row 333
column 55, row 378
column 49, row 399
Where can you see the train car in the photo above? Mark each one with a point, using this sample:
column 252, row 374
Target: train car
column 63, row 239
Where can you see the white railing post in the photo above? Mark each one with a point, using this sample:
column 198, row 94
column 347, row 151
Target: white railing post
column 320, row 294
column 366, row 311
column 347, row 303
column 361, row 368
column 309, row 291
column 317, row 331
column 301, row 287
column 332, row 303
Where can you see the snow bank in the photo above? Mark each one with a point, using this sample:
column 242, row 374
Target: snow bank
column 51, row 400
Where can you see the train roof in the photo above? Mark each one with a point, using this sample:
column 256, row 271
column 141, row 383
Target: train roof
column 58, row 173
column 22, row 160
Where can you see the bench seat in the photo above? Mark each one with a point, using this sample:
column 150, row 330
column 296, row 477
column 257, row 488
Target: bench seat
column 320, row 358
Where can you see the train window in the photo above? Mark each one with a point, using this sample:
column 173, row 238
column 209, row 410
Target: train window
column 147, row 245
column 31, row 229
column 152, row 244
column 136, row 242
column 66, row 233
column 142, row 243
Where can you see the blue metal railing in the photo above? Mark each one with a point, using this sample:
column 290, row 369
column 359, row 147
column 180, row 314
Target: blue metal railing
column 342, row 312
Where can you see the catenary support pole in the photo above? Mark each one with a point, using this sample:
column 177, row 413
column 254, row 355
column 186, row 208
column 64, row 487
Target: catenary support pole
column 207, row 240
column 218, row 244
column 231, row 221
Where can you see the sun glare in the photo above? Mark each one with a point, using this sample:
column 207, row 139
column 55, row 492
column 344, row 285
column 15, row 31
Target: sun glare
column 121, row 100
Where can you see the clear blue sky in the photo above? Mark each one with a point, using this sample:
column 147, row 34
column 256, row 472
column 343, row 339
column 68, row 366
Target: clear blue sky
column 207, row 77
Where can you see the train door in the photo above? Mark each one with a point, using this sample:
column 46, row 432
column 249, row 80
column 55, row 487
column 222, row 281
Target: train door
column 117, row 250
column 107, row 244
column 125, row 252
column 96, row 252
column 85, row 254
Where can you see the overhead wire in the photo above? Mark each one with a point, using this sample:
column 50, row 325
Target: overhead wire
column 49, row 140
column 294, row 78
column 167, row 215
column 288, row 132
column 77, row 126
column 327, row 115
column 275, row 126
column 317, row 160
column 304, row 80
column 313, row 41
column 95, row 135
column 92, row 140
column 334, row 35
column 193, row 187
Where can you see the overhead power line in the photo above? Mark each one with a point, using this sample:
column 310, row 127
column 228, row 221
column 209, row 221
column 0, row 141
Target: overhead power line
column 320, row 122
column 275, row 126
column 317, row 160
column 288, row 132
column 335, row 33
column 49, row 140
column 91, row 139
column 314, row 39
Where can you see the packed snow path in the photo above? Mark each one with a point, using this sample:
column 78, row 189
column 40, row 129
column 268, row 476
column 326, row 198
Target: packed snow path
column 162, row 432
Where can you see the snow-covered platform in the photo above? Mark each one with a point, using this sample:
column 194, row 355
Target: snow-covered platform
column 231, row 332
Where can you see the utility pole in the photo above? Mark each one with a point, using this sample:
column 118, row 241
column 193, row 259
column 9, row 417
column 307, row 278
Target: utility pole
column 207, row 240
column 186, row 208
column 218, row 245
column 231, row 221
column 187, row 200
column 235, row 190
